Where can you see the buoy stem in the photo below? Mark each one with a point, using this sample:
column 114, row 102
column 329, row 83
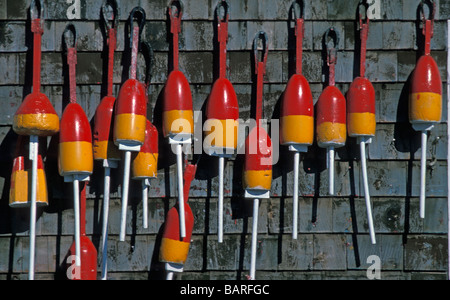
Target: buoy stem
column 106, row 189
column 362, row 145
column 179, row 151
column 331, row 169
column 254, row 239
column 220, row 201
column 76, row 205
column 125, row 185
column 295, row 198
column 34, row 145
column 144, row 204
column 423, row 169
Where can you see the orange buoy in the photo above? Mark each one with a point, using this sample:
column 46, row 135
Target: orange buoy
column 425, row 99
column 361, row 121
column 75, row 144
column 174, row 249
column 297, row 112
column 331, row 119
column 257, row 179
column 222, row 112
column 178, row 115
column 75, row 159
column 145, row 163
column 19, row 189
column 131, row 112
column 35, row 117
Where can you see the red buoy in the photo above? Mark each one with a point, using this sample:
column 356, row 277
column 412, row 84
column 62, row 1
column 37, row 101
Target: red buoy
column 104, row 147
column 19, row 192
column 75, row 142
column 174, row 249
column 361, row 121
column 331, row 118
column 88, row 269
column 131, row 105
column 331, row 115
column 425, row 99
column 178, row 116
column 145, row 163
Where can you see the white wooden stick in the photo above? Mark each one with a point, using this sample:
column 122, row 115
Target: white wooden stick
column 423, row 170
column 169, row 276
column 179, row 150
column 220, row 204
column 362, row 146
column 76, row 204
column 254, row 239
column 331, row 169
column 144, row 204
column 34, row 145
column 106, row 188
column 125, row 185
column 295, row 198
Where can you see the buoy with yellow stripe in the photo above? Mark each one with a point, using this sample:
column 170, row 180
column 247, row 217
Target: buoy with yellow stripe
column 178, row 115
column 222, row 112
column 331, row 126
column 174, row 249
column 361, row 121
column 425, row 99
column 297, row 112
column 104, row 148
column 257, row 179
column 145, row 165
column 19, row 193
column 35, row 118
column 131, row 112
column 75, row 157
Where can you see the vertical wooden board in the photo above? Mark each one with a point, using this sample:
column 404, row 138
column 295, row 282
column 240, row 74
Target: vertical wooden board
column 398, row 35
column 295, row 254
column 131, row 255
column 195, row 259
column 12, row 97
column 197, row 36
column 435, row 216
column 9, row 63
column 316, row 215
column 426, row 253
column 266, row 252
column 329, row 252
column 389, row 251
column 436, row 184
column 224, row 256
column 5, row 253
column 342, row 215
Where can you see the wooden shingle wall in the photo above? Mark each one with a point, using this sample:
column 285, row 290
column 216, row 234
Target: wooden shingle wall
column 333, row 238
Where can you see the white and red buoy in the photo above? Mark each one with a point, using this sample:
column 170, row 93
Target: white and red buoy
column 222, row 112
column 297, row 113
column 35, row 118
column 75, row 157
column 131, row 113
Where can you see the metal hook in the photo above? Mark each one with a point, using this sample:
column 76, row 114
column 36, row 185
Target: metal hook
column 70, row 36
column 36, row 10
column 331, row 52
column 115, row 13
column 179, row 9
column 366, row 6
column 136, row 11
column 263, row 37
column 300, row 5
column 432, row 6
column 147, row 51
column 226, row 7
